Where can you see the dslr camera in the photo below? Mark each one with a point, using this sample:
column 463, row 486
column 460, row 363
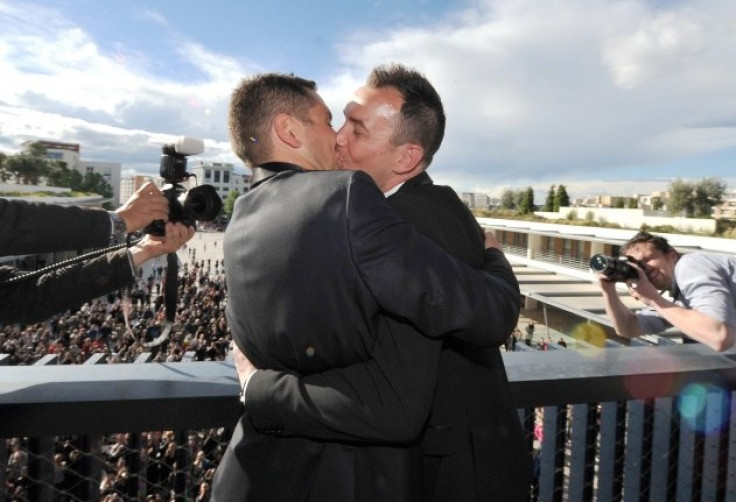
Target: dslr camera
column 201, row 203
column 616, row 269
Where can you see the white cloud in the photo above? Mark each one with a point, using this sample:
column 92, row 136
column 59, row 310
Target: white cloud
column 541, row 89
column 536, row 92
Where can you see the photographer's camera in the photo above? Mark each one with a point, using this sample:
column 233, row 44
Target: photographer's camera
column 201, row 203
column 617, row 269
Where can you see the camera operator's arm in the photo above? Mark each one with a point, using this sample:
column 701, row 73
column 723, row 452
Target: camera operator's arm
column 695, row 324
column 624, row 320
column 36, row 299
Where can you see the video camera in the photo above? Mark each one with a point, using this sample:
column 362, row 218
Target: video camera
column 616, row 269
column 201, row 203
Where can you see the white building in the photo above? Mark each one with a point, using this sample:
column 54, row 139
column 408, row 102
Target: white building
column 221, row 176
column 109, row 170
column 476, row 200
column 69, row 153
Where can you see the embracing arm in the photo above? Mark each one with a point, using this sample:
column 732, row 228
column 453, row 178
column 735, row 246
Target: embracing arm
column 384, row 399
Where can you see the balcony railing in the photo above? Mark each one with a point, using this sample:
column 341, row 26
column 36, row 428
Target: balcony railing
column 613, row 424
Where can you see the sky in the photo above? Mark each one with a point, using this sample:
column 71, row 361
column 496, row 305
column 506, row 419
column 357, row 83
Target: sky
column 607, row 97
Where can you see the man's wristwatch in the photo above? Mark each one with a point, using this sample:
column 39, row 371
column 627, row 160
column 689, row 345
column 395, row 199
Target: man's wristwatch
column 119, row 230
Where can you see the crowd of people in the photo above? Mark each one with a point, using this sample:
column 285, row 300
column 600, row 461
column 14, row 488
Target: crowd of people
column 166, row 463
column 100, row 326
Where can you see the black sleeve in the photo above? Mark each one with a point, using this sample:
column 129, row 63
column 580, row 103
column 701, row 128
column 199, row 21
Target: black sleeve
column 30, row 228
column 33, row 300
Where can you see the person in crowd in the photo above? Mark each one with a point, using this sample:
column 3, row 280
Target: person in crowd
column 473, row 446
column 700, row 287
column 27, row 228
column 339, row 273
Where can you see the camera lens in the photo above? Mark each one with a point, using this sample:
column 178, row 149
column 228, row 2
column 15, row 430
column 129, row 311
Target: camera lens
column 202, row 203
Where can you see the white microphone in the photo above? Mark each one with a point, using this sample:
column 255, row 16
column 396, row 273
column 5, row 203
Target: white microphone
column 187, row 145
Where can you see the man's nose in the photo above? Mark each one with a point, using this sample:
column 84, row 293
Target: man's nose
column 340, row 137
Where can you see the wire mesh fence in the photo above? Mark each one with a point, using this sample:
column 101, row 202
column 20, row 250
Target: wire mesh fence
column 148, row 466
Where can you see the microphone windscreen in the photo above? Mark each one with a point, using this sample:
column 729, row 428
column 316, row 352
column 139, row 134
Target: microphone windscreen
column 186, row 145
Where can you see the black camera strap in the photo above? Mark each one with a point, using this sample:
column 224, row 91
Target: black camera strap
column 65, row 263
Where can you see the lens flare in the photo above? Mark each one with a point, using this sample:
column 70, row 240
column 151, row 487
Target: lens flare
column 704, row 407
column 589, row 333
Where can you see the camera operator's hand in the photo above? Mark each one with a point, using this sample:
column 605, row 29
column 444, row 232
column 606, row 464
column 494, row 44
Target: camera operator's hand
column 642, row 289
column 144, row 206
column 177, row 234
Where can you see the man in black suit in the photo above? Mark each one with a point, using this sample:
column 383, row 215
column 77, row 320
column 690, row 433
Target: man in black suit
column 473, row 447
column 33, row 228
column 322, row 274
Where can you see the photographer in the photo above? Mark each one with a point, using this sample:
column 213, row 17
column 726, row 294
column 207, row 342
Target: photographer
column 27, row 228
column 702, row 288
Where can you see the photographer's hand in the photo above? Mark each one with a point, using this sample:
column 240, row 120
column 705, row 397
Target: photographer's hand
column 144, row 206
column 642, row 289
column 177, row 234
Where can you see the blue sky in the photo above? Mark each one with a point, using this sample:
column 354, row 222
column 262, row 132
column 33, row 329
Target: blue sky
column 605, row 96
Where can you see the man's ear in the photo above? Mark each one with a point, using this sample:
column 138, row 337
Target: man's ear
column 410, row 159
column 288, row 130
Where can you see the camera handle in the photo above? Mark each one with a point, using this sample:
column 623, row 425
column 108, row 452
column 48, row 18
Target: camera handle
column 170, row 290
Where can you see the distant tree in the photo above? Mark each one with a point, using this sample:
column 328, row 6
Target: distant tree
column 526, row 203
column 60, row 175
column 508, row 199
column 26, row 167
column 619, row 202
column 708, row 193
column 681, row 198
column 4, row 175
column 657, row 203
column 549, row 204
column 229, row 203
column 632, row 203
column 518, row 198
column 96, row 183
column 561, row 198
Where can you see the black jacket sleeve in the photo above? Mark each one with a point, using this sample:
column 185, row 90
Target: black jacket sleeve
column 34, row 300
column 30, row 228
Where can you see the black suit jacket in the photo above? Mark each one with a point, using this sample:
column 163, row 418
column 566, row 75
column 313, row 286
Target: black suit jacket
column 473, row 446
column 27, row 228
column 321, row 274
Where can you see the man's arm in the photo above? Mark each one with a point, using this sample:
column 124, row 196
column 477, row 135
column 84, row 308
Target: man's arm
column 31, row 228
column 36, row 299
column 414, row 279
column 624, row 320
column 696, row 324
column 384, row 399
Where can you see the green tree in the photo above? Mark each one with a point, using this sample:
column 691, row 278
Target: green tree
column 561, row 198
column 708, row 193
column 549, row 204
column 619, row 202
column 508, row 199
column 632, row 203
column 526, row 202
column 96, row 183
column 229, row 203
column 681, row 198
column 4, row 175
column 657, row 203
column 26, row 167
